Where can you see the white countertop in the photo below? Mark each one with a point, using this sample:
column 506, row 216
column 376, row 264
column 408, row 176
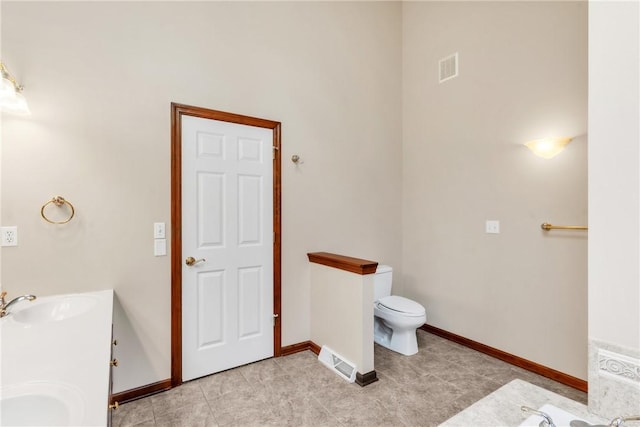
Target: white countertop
column 63, row 353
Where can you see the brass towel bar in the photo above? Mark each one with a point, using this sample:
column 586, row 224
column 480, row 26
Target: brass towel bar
column 547, row 226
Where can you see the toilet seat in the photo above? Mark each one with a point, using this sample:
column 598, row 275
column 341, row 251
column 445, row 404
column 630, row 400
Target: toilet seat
column 401, row 305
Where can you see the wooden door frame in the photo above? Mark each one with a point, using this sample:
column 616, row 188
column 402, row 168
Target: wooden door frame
column 177, row 111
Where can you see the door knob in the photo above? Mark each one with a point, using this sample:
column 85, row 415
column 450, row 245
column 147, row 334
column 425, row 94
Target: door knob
column 192, row 261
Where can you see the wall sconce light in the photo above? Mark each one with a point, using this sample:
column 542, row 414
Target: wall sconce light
column 11, row 98
column 547, row 147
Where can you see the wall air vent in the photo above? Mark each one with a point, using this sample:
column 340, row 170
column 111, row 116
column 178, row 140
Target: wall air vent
column 448, row 67
column 337, row 364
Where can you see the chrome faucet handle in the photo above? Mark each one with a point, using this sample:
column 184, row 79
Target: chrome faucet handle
column 619, row 421
column 546, row 422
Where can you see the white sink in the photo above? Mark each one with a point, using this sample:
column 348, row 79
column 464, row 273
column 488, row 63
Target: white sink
column 55, row 354
column 40, row 404
column 53, row 309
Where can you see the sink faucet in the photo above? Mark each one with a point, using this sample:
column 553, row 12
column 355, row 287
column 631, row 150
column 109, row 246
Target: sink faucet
column 4, row 306
column 546, row 421
column 617, row 422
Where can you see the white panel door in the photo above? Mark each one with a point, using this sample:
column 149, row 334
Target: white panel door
column 227, row 226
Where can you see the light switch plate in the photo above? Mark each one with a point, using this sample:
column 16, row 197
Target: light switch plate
column 160, row 247
column 159, row 230
column 492, row 227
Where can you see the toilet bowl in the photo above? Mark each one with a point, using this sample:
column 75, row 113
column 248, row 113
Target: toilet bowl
column 395, row 318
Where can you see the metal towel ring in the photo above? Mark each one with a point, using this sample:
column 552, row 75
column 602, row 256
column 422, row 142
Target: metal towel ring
column 58, row 201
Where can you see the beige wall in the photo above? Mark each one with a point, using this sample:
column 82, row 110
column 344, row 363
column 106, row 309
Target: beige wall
column 100, row 77
column 614, row 193
column 342, row 314
column 614, row 174
column 523, row 75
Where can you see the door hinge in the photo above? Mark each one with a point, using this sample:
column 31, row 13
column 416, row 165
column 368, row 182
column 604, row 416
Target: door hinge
column 275, row 318
column 275, row 148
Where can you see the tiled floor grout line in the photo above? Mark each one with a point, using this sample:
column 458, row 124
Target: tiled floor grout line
column 153, row 411
column 204, row 395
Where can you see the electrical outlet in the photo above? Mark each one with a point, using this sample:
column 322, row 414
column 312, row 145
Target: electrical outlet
column 9, row 236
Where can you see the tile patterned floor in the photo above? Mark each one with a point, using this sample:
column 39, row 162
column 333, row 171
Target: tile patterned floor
column 296, row 390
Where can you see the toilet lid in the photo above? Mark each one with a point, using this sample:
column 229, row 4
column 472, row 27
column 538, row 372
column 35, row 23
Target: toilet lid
column 401, row 304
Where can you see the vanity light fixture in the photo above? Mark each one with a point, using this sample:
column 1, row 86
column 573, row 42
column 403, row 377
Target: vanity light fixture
column 548, row 147
column 11, row 98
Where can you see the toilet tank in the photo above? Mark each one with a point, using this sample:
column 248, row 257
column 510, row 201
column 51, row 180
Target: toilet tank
column 382, row 280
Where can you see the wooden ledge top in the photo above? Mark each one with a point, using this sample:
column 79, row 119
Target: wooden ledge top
column 342, row 262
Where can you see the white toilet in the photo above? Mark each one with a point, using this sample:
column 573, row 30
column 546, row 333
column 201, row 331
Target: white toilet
column 396, row 318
